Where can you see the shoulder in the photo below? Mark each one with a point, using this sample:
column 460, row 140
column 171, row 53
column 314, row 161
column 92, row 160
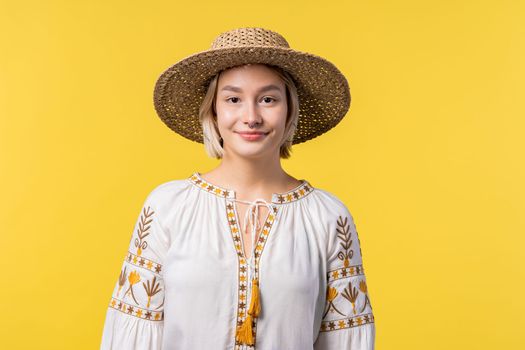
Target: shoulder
column 336, row 219
column 330, row 205
column 168, row 189
column 167, row 194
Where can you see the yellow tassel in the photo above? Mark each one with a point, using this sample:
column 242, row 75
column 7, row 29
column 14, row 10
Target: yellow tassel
column 255, row 305
column 245, row 331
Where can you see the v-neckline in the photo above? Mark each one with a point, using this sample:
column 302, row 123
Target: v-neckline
column 258, row 244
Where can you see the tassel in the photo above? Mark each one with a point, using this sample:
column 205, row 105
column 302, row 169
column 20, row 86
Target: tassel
column 255, row 305
column 245, row 331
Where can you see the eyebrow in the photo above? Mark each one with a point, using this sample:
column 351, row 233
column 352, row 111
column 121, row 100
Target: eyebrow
column 262, row 89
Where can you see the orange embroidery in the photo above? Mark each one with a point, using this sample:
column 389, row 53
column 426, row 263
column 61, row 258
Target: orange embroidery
column 331, row 294
column 363, row 288
column 133, row 278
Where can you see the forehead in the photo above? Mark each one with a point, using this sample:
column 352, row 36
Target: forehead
column 250, row 75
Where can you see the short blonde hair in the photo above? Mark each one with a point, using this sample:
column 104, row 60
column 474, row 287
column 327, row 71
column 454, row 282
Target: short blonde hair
column 208, row 116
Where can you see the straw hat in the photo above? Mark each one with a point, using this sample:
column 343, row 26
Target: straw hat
column 323, row 91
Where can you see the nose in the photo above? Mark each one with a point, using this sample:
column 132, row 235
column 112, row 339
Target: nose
column 252, row 114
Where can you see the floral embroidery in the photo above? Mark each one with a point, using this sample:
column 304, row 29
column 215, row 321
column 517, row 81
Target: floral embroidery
column 351, row 291
column 344, row 234
column 143, row 228
column 346, row 322
column 151, row 289
column 205, row 185
column 121, row 279
column 242, row 306
column 331, row 293
column 141, row 268
column 145, row 263
column 297, row 193
column 343, row 272
column 350, row 294
column 363, row 288
column 136, row 311
column 279, row 198
column 133, row 278
column 293, row 195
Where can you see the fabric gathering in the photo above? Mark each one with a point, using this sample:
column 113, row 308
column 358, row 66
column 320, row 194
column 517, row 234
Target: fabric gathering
column 185, row 281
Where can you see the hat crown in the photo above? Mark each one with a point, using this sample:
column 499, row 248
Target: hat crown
column 250, row 36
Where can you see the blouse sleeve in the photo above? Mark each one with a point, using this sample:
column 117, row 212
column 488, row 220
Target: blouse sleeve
column 348, row 322
column 134, row 317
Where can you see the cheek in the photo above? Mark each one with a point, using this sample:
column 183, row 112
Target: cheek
column 225, row 119
column 280, row 121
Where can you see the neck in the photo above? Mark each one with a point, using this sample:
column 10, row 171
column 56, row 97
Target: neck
column 252, row 178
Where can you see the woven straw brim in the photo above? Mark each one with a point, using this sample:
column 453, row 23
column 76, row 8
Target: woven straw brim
column 323, row 91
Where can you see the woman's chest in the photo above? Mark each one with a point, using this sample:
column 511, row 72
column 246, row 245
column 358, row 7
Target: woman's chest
column 207, row 251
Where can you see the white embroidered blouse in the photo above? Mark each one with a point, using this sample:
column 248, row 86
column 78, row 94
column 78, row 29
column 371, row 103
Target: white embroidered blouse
column 185, row 281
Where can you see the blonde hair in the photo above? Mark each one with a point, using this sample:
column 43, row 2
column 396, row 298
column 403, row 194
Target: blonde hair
column 213, row 142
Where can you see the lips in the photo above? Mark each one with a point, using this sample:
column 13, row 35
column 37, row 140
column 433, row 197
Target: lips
column 252, row 133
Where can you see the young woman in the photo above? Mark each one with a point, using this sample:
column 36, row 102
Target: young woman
column 244, row 256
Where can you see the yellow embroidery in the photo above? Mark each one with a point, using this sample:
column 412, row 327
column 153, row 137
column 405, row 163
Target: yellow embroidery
column 345, row 272
column 346, row 322
column 295, row 194
column 243, row 269
column 136, row 311
column 206, row 186
column 133, row 278
column 353, row 289
column 299, row 192
column 364, row 289
column 143, row 262
column 331, row 294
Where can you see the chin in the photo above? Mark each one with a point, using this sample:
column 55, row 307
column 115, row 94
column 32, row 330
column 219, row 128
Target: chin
column 251, row 150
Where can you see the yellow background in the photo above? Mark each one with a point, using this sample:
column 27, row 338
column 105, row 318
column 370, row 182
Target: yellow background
column 429, row 160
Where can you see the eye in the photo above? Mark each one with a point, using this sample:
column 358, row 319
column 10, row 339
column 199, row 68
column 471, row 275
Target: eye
column 228, row 99
column 268, row 97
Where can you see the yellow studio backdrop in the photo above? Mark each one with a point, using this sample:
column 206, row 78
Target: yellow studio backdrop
column 429, row 159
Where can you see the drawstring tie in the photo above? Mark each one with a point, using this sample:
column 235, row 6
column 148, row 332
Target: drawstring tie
column 244, row 333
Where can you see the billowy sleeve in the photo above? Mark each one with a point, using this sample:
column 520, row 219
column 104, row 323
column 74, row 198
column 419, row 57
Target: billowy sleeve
column 348, row 321
column 135, row 314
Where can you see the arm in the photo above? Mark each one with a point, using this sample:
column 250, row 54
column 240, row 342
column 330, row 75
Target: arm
column 135, row 314
column 348, row 322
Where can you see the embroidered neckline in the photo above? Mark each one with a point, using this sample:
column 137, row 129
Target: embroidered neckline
column 294, row 194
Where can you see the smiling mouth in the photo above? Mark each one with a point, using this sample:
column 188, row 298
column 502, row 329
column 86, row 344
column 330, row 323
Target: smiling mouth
column 252, row 133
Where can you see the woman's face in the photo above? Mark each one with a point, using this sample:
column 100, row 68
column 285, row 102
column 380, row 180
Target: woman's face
column 251, row 94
